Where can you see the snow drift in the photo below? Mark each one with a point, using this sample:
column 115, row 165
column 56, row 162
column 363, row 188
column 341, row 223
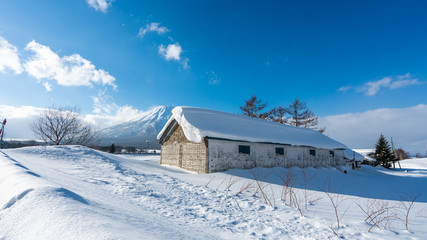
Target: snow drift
column 73, row 192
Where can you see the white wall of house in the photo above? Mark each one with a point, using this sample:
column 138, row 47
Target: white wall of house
column 224, row 154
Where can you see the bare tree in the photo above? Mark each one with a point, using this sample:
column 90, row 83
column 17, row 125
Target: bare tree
column 63, row 126
column 301, row 116
column 402, row 154
column 278, row 114
column 336, row 200
column 378, row 213
column 254, row 108
column 407, row 201
column 306, row 179
column 260, row 188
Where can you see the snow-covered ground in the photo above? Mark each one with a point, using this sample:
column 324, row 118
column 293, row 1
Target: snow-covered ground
column 72, row 192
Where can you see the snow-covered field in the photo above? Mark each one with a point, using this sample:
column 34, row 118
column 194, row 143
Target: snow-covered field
column 73, row 192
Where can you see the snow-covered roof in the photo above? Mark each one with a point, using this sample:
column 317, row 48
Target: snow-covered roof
column 198, row 123
column 350, row 154
column 365, row 153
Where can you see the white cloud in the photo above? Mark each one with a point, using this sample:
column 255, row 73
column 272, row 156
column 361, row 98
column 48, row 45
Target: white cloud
column 171, row 52
column 9, row 58
column 108, row 114
column 152, row 27
column 71, row 70
column 100, row 5
column 47, row 86
column 19, row 120
column 371, row 88
column 19, row 112
column 361, row 130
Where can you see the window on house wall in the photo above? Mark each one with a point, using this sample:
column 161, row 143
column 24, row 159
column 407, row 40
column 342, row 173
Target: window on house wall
column 244, row 149
column 331, row 153
column 280, row 151
column 312, row 152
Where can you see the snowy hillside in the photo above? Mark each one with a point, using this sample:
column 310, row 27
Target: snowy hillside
column 72, row 192
column 138, row 131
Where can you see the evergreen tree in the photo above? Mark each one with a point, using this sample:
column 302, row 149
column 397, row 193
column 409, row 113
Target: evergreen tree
column 383, row 152
column 112, row 148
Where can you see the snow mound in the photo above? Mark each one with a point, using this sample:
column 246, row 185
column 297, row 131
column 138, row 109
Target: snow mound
column 414, row 163
column 198, row 123
column 31, row 203
column 16, row 181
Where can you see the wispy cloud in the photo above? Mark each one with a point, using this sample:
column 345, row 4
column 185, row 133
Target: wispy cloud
column 9, row 58
column 361, row 130
column 73, row 70
column 107, row 113
column 371, row 88
column 152, row 27
column 344, row 88
column 173, row 52
column 100, row 5
column 213, row 78
column 403, row 81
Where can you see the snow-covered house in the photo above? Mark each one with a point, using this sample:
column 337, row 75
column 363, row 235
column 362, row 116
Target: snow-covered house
column 204, row 141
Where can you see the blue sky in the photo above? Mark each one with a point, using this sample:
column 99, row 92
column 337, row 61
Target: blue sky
column 116, row 58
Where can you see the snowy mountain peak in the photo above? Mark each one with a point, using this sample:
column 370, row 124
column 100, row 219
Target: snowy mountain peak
column 140, row 132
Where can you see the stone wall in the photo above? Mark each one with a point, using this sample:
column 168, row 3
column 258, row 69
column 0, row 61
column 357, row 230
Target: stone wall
column 178, row 151
column 215, row 155
column 225, row 154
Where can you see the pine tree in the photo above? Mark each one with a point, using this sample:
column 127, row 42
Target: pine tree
column 112, row 148
column 383, row 152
